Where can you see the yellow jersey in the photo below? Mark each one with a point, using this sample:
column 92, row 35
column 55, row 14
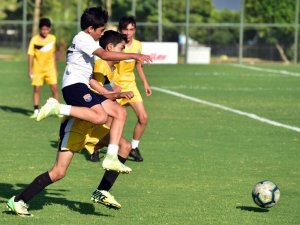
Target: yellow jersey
column 42, row 51
column 125, row 68
column 102, row 71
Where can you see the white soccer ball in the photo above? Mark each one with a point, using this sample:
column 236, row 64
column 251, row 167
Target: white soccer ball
column 265, row 194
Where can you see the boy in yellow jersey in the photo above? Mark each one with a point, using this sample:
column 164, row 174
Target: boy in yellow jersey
column 42, row 62
column 126, row 80
column 104, row 70
column 74, row 135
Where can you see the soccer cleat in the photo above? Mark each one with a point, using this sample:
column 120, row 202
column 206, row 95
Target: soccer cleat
column 50, row 108
column 105, row 198
column 95, row 156
column 19, row 208
column 111, row 162
column 136, row 155
column 34, row 115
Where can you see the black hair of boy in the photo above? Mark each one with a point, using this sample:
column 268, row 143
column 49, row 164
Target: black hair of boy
column 125, row 20
column 44, row 22
column 113, row 37
column 95, row 17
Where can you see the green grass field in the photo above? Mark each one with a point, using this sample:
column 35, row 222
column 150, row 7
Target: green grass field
column 201, row 161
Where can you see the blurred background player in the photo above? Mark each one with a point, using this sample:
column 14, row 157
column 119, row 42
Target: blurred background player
column 42, row 62
column 126, row 80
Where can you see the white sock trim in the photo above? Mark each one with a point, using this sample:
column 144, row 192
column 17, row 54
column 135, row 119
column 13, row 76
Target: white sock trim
column 134, row 143
column 112, row 149
column 65, row 110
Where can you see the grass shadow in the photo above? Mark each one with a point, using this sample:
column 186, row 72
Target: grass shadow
column 252, row 209
column 54, row 144
column 22, row 111
column 87, row 155
column 48, row 197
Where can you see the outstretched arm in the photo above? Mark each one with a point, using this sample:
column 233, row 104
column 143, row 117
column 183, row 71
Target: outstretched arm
column 117, row 56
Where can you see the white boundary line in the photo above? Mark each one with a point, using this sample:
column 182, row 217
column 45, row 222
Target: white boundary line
column 250, row 115
column 282, row 72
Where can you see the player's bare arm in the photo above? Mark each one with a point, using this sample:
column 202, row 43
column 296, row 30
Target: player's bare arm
column 117, row 95
column 112, row 56
column 97, row 87
column 142, row 75
column 55, row 64
column 109, row 94
column 30, row 63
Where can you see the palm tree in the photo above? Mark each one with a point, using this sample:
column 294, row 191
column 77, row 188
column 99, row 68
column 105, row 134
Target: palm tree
column 36, row 16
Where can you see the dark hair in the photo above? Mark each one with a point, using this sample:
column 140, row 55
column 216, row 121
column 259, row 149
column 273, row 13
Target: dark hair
column 44, row 22
column 95, row 17
column 125, row 20
column 113, row 37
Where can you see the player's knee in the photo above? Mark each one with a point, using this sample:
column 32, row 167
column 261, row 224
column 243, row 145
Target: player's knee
column 61, row 175
column 100, row 119
column 143, row 119
column 36, row 91
column 56, row 175
column 122, row 113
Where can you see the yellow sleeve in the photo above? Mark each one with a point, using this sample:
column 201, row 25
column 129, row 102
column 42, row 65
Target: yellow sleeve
column 31, row 47
column 97, row 66
column 98, row 73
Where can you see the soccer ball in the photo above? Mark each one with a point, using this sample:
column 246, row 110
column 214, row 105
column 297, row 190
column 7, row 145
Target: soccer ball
column 265, row 194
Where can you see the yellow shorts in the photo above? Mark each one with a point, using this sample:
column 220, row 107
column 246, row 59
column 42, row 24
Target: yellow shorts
column 136, row 98
column 76, row 134
column 48, row 78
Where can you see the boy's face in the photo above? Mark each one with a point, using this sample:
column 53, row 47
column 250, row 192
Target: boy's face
column 44, row 31
column 96, row 33
column 129, row 31
column 117, row 48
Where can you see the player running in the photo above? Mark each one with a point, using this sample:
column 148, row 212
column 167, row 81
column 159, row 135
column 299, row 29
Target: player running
column 74, row 135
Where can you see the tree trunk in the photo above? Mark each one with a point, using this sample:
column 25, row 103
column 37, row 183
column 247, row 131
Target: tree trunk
column 282, row 54
column 36, row 16
column 108, row 7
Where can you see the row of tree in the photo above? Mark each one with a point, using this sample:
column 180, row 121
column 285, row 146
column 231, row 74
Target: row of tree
column 174, row 17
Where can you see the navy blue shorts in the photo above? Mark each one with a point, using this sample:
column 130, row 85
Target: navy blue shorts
column 79, row 94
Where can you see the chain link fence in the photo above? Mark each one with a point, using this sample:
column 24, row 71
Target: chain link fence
column 228, row 42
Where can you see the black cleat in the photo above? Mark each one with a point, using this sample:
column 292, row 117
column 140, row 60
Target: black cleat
column 95, row 156
column 136, row 155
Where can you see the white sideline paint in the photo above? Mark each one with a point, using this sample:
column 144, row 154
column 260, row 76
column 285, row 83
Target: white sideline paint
column 250, row 115
column 282, row 72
